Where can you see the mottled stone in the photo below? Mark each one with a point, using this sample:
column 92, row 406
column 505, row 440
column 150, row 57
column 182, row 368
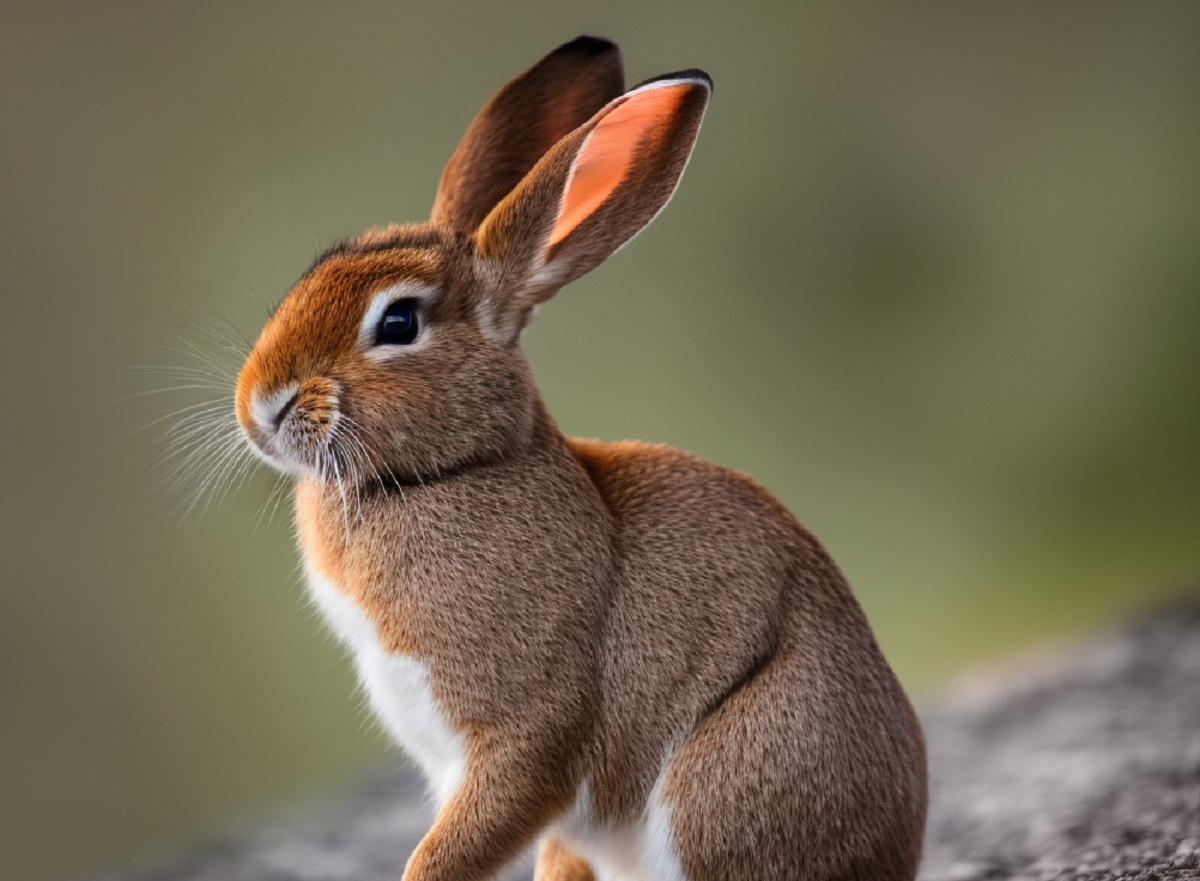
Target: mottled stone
column 1084, row 765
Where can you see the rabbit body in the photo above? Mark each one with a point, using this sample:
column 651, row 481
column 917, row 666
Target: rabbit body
column 637, row 655
column 691, row 663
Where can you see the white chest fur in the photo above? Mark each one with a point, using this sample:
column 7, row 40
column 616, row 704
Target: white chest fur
column 398, row 688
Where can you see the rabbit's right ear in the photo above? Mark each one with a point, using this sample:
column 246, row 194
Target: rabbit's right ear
column 521, row 123
column 592, row 193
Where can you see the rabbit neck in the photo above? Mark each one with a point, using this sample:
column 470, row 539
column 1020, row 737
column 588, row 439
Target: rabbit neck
column 415, row 545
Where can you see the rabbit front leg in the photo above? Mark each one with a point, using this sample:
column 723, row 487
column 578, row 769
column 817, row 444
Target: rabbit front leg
column 504, row 800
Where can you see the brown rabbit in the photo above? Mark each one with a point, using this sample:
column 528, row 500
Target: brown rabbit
column 634, row 654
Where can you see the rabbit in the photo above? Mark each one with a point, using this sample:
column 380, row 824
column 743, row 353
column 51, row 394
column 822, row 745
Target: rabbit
column 637, row 658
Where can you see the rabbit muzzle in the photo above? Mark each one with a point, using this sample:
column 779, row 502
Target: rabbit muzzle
column 292, row 427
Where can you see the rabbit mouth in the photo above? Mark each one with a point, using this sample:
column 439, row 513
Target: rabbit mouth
column 293, row 428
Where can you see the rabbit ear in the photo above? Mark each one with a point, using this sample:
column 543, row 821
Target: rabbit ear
column 596, row 189
column 521, row 123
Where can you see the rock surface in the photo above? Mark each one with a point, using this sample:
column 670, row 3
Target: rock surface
column 1079, row 767
column 1084, row 766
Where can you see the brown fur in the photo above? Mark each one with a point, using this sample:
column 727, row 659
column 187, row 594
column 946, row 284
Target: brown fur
column 520, row 125
column 585, row 609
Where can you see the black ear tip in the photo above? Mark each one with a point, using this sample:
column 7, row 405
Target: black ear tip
column 695, row 73
column 692, row 74
column 586, row 46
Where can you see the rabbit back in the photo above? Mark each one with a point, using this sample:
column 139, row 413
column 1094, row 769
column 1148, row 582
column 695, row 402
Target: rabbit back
column 771, row 712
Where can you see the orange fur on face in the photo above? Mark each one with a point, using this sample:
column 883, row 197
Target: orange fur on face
column 316, row 327
column 638, row 654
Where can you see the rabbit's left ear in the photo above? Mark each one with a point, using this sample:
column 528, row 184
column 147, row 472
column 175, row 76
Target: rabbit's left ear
column 521, row 122
column 596, row 188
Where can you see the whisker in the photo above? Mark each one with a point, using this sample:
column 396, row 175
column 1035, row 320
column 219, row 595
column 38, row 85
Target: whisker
column 192, row 438
column 172, row 369
column 192, row 350
column 205, row 457
column 212, row 418
column 237, row 331
column 160, row 391
column 202, row 445
column 237, row 474
column 233, row 450
column 203, row 451
column 355, row 434
column 206, row 357
column 237, row 469
column 275, row 495
column 342, row 490
column 174, row 415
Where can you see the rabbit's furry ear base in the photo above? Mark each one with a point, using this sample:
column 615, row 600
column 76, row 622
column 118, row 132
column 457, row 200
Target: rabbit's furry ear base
column 521, row 123
column 597, row 188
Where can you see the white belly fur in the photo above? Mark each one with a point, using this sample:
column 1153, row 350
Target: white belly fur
column 639, row 851
column 398, row 688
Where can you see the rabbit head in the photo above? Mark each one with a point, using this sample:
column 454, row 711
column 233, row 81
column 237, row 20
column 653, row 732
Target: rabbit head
column 396, row 355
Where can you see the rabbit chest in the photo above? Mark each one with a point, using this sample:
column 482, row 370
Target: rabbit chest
column 397, row 686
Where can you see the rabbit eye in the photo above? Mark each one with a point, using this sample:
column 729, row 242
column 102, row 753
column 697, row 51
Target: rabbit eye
column 398, row 326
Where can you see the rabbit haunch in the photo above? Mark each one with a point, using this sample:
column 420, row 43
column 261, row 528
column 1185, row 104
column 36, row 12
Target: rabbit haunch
column 640, row 657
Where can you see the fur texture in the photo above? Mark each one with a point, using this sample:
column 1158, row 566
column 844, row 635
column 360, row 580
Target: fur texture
column 637, row 654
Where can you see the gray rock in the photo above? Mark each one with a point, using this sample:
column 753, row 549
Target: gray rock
column 1082, row 766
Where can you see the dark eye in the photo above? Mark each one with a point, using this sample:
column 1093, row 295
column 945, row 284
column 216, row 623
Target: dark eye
column 398, row 326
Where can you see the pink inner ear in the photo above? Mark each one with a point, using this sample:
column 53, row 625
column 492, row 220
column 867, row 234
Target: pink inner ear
column 607, row 154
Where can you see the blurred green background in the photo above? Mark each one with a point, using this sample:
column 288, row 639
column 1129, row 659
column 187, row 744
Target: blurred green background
column 932, row 277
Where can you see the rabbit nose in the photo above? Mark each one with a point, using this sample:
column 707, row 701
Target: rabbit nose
column 277, row 420
column 271, row 409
